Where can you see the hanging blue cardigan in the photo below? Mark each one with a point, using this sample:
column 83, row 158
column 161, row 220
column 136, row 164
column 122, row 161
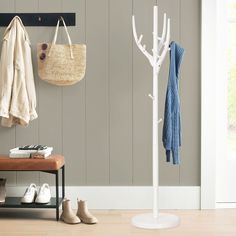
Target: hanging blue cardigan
column 171, row 136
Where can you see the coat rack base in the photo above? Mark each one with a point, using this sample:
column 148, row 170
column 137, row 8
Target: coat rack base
column 163, row 221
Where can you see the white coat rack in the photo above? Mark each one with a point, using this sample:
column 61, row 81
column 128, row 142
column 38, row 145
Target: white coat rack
column 155, row 220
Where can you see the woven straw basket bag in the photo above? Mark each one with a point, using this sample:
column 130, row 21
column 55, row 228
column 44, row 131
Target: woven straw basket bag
column 61, row 64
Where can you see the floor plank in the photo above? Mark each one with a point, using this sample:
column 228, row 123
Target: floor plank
column 19, row 222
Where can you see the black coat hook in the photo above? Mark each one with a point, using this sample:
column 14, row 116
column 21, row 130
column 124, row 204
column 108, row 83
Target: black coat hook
column 38, row 19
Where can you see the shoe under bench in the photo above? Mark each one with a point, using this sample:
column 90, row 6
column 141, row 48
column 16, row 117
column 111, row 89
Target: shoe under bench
column 52, row 165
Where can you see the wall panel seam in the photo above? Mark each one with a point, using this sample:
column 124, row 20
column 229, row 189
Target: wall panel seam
column 38, row 110
column 38, row 106
column 180, row 18
column 15, row 173
column 38, row 103
column 109, row 102
column 85, row 98
column 62, row 105
column 132, row 91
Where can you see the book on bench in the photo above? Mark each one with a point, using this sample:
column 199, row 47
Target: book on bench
column 30, row 153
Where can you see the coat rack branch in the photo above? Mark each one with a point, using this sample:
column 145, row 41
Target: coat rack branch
column 38, row 19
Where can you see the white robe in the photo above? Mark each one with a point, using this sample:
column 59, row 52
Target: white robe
column 17, row 89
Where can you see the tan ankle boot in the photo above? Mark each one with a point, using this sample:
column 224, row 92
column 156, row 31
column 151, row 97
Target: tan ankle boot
column 68, row 216
column 84, row 215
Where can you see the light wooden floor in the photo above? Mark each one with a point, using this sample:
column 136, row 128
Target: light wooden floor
column 41, row 223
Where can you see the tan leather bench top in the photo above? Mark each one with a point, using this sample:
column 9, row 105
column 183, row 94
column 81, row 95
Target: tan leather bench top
column 55, row 162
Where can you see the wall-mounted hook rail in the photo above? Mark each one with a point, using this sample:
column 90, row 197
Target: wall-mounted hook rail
column 38, row 19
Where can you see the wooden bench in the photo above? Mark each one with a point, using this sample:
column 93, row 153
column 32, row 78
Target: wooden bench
column 52, row 165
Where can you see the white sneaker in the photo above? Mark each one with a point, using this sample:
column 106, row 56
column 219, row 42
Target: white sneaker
column 44, row 194
column 29, row 194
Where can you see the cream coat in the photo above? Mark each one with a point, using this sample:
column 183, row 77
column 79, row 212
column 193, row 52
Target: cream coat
column 17, row 89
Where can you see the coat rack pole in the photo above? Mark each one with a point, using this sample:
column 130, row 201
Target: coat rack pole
column 155, row 220
column 155, row 116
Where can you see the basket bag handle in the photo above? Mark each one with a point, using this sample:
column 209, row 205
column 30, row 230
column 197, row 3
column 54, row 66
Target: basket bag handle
column 55, row 37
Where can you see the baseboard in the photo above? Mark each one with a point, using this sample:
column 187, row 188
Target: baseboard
column 225, row 205
column 128, row 197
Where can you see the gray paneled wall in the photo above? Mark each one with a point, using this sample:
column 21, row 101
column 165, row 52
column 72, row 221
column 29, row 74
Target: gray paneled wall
column 103, row 124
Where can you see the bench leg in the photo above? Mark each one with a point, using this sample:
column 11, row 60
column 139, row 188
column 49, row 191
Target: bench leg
column 63, row 182
column 57, row 196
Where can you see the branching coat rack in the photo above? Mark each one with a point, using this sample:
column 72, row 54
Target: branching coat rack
column 155, row 220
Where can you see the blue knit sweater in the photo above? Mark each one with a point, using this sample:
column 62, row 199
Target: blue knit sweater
column 171, row 136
